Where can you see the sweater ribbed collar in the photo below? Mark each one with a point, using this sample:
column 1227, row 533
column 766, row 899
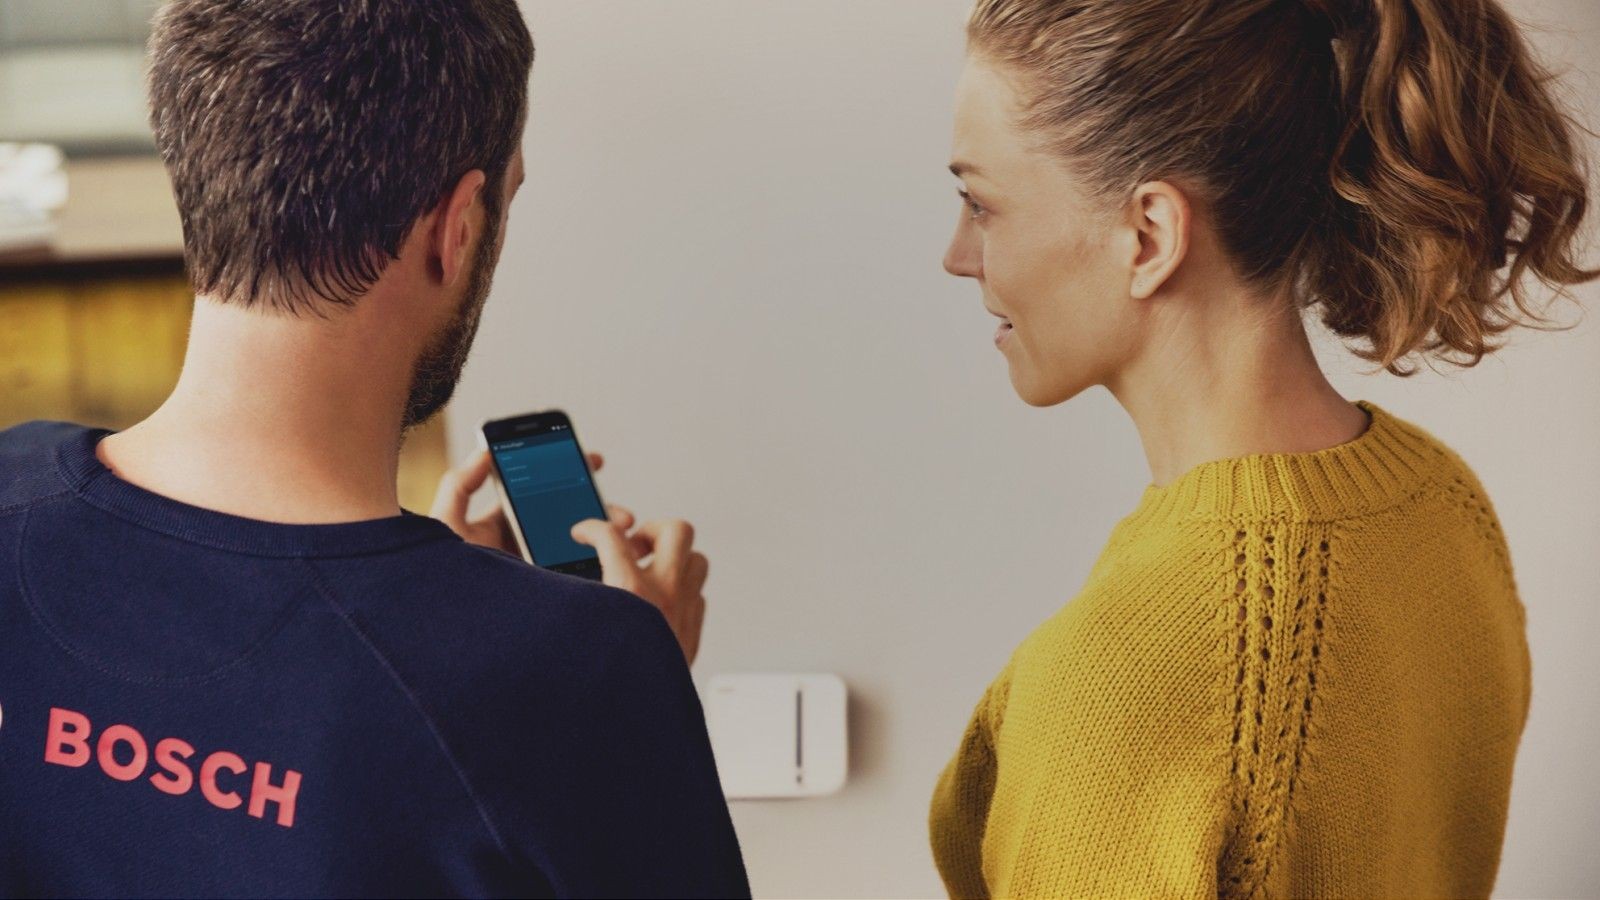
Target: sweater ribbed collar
column 1382, row 466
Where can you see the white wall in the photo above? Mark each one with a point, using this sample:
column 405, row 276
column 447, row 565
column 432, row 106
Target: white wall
column 725, row 265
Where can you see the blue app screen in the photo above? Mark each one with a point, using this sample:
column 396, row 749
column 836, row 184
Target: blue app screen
column 550, row 490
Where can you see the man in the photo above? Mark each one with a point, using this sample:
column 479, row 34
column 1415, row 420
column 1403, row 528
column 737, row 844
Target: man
column 230, row 663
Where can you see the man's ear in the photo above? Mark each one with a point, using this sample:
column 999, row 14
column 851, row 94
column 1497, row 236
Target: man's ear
column 1161, row 219
column 459, row 219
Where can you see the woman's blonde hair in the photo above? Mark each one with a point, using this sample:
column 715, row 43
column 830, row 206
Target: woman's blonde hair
column 1399, row 162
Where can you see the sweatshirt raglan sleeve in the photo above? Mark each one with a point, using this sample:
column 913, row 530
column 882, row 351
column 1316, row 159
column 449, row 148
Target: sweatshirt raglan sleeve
column 639, row 811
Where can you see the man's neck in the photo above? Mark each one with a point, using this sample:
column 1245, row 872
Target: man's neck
column 274, row 418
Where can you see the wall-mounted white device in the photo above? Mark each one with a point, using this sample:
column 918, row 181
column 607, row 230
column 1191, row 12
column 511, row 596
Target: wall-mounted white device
column 778, row 735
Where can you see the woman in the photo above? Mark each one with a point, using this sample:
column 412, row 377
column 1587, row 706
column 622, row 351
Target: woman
column 1298, row 667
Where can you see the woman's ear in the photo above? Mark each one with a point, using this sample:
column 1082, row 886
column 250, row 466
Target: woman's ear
column 1160, row 217
column 459, row 218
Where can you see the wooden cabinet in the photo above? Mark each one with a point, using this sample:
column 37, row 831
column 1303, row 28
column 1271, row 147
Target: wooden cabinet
column 98, row 352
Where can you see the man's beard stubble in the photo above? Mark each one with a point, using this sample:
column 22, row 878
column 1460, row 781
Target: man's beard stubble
column 438, row 368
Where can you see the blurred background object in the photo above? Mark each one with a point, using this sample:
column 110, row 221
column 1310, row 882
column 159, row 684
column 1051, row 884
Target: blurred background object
column 32, row 187
column 72, row 74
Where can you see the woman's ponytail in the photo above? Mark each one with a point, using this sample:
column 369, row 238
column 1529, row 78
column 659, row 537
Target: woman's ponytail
column 1455, row 176
column 1400, row 163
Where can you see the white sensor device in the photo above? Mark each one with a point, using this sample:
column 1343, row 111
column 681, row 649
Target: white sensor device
column 778, row 735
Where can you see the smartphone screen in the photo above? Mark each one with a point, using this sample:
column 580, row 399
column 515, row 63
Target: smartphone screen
column 549, row 488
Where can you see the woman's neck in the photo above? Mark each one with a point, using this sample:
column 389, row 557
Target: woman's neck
column 1234, row 375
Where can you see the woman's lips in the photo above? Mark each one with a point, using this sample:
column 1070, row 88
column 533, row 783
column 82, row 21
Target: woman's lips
column 1004, row 331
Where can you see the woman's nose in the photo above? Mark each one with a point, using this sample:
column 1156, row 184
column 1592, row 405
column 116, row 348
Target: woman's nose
column 961, row 258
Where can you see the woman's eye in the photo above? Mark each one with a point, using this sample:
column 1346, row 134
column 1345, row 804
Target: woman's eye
column 974, row 210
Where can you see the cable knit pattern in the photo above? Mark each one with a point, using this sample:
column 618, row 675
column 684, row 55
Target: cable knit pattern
column 1287, row 675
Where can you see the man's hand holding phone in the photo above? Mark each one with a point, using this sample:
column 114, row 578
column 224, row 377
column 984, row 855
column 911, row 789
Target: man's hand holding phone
column 655, row 561
column 658, row 562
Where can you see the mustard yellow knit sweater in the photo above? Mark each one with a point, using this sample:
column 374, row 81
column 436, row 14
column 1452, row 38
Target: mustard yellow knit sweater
column 1288, row 675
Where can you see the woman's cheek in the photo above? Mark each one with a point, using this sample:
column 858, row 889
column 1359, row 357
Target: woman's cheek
column 1006, row 280
column 1032, row 294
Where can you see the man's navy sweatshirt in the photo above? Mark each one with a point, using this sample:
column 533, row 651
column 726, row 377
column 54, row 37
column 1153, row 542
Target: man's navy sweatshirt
column 195, row 703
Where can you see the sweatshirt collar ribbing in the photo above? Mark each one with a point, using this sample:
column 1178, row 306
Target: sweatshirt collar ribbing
column 97, row 485
column 1376, row 469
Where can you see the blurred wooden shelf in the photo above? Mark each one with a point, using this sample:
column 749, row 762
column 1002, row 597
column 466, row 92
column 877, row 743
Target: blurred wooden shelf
column 119, row 218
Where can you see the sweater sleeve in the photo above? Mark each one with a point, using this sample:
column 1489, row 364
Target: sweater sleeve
column 960, row 808
column 1150, row 733
column 1112, row 769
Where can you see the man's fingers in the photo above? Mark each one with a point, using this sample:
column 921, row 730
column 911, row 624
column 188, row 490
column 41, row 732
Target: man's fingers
column 695, row 571
column 617, row 563
column 457, row 487
column 493, row 526
column 473, row 473
column 695, row 618
column 670, row 541
column 488, row 518
column 620, row 516
column 698, row 622
column 595, row 460
column 641, row 546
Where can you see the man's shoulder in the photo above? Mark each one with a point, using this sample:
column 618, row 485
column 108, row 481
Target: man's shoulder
column 478, row 610
column 28, row 469
column 501, row 585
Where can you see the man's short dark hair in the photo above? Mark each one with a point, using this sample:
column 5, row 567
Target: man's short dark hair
column 306, row 137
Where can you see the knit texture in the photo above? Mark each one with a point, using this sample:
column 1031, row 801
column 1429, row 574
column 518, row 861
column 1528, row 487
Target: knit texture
column 1287, row 675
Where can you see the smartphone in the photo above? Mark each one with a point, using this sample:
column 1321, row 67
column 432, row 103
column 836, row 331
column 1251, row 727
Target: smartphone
column 545, row 488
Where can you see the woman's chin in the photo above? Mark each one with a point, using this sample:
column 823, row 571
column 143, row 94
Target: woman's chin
column 1040, row 392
